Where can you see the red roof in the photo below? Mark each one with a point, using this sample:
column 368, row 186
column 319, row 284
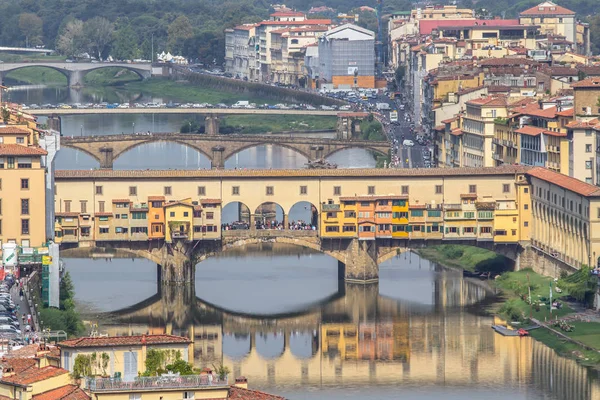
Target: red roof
column 210, row 201
column 287, row 14
column 593, row 82
column 33, row 375
column 425, row 27
column 238, row 393
column 19, row 364
column 111, row 341
column 547, row 8
column 156, row 198
column 567, row 182
column 305, row 22
column 121, row 201
column 12, row 130
column 534, row 109
column 566, row 113
column 67, row 392
column 535, row 131
column 488, row 101
column 18, row 150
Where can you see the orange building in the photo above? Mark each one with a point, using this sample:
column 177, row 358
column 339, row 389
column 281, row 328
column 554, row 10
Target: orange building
column 156, row 217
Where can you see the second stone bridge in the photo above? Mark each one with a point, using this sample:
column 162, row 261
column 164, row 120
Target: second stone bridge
column 217, row 148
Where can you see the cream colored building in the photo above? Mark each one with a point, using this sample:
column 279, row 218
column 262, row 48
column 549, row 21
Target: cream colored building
column 442, row 12
column 552, row 19
column 22, row 187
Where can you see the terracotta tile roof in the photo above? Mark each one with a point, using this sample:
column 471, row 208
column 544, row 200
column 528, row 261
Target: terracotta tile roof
column 210, row 201
column 593, row 82
column 583, row 124
column 18, row 150
column 178, row 203
column 547, row 8
column 156, row 198
column 417, row 206
column 305, row 22
column 237, row 393
column 287, row 14
column 67, row 392
column 111, row 341
column 566, row 113
column 426, row 26
column 12, row 130
column 498, row 89
column 535, row 110
column 564, row 181
column 489, row 101
column 121, row 201
column 103, row 214
column 506, row 61
column 535, row 131
column 246, row 27
column 564, row 71
column 439, row 128
column 590, row 71
column 456, row 132
column 450, row 120
column 33, row 375
column 468, row 196
column 19, row 364
column 24, row 352
column 66, row 214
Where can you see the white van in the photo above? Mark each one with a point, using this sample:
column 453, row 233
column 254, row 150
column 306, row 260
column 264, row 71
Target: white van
column 408, row 143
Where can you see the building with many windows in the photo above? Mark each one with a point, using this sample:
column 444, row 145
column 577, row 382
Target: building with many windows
column 552, row 19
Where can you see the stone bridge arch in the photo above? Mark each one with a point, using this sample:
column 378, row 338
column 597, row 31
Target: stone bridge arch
column 151, row 139
column 7, row 70
column 337, row 149
column 231, row 149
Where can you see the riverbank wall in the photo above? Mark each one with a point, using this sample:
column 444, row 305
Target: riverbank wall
column 241, row 87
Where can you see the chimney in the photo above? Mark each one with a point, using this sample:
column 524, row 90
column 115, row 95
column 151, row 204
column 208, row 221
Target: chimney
column 8, row 371
column 241, row 382
column 144, row 339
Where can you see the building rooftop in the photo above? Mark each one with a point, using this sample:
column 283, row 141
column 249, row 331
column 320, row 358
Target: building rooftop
column 534, row 110
column 303, row 22
column 32, row 375
column 18, row 150
column 567, row 182
column 593, row 82
column 283, row 173
column 547, row 8
column 111, row 341
column 490, row 101
column 535, row 131
column 426, row 26
column 506, row 61
column 12, row 130
column 67, row 392
column 372, row 198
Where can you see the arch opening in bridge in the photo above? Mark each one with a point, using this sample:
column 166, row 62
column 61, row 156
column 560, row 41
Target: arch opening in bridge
column 47, row 74
column 90, row 77
column 69, row 158
column 236, row 346
column 352, row 157
column 304, row 213
column 304, row 345
column 161, row 155
column 270, row 215
column 266, row 156
column 270, row 345
column 234, row 213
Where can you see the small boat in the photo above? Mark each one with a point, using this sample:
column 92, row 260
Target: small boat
column 504, row 331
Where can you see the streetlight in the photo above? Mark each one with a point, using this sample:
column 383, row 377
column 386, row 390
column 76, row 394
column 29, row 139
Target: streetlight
column 81, row 130
column 132, row 128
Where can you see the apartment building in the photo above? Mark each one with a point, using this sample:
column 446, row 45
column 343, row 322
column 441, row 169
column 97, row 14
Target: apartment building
column 552, row 19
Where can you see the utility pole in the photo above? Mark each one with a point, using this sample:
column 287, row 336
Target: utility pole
column 152, row 51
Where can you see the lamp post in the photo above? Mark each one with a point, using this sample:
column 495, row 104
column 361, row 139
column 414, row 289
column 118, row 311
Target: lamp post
column 132, row 128
column 81, row 130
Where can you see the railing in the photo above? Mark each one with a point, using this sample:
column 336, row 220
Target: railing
column 330, row 207
column 268, row 233
column 154, row 382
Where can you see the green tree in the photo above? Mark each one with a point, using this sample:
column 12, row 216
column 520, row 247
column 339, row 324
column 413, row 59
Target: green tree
column 72, row 40
column 125, row 44
column 82, row 367
column 179, row 30
column 31, row 27
column 180, row 366
column 99, row 33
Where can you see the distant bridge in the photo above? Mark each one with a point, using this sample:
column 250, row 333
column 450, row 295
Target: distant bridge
column 164, row 110
column 75, row 72
column 25, row 50
column 217, row 148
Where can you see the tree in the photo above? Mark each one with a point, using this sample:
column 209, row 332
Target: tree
column 99, row 33
column 72, row 40
column 181, row 367
column 178, row 31
column 31, row 26
column 125, row 44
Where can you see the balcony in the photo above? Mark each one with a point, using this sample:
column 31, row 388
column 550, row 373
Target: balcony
column 330, row 207
column 154, row 383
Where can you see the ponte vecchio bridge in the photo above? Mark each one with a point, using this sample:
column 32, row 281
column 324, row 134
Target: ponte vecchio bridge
column 217, row 148
column 363, row 216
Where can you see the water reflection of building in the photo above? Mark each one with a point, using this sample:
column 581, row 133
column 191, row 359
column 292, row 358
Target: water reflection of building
column 359, row 336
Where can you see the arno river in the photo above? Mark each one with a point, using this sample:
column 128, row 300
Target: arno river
column 278, row 315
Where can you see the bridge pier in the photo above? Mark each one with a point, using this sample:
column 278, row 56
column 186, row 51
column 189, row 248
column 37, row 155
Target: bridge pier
column 211, row 124
column 75, row 78
column 360, row 263
column 177, row 266
column 217, row 161
column 107, row 159
column 316, row 152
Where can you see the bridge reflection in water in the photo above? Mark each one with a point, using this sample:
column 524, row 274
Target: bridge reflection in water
column 360, row 337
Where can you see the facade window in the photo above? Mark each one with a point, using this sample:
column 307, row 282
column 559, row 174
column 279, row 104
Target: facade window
column 371, row 189
column 404, row 189
column 133, row 190
column 197, row 213
column 332, row 229
column 526, row 206
column 337, row 190
column 235, row 190
column 100, row 206
column 98, row 190
column 588, row 165
column 24, row 206
column 486, row 229
column 167, row 190
column 526, row 190
column 83, row 206
column 505, row 188
column 270, row 190
column 526, row 224
column 588, row 180
column 172, row 214
column 138, row 215
column 67, row 205
column 303, row 189
column 24, row 163
column 210, row 215
column 416, row 213
column 25, row 183
column 10, row 162
column 24, row 227
column 472, row 188
column 438, row 189
column 201, row 190
column 1, row 208
column 588, row 148
column 186, row 214
column 20, row 140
